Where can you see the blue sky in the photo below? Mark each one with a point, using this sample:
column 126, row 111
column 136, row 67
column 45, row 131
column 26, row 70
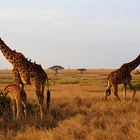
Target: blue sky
column 75, row 33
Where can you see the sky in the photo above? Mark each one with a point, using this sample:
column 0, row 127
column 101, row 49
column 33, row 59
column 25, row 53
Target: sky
column 72, row 33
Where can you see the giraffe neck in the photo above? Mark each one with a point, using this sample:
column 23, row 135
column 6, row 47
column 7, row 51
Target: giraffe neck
column 6, row 51
column 133, row 64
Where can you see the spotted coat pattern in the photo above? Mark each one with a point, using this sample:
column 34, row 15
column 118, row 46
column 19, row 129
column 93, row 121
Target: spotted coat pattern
column 27, row 72
column 122, row 76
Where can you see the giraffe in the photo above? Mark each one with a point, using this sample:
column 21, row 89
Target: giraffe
column 122, row 76
column 26, row 72
column 18, row 98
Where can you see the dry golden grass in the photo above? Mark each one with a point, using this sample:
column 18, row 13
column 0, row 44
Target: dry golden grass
column 77, row 112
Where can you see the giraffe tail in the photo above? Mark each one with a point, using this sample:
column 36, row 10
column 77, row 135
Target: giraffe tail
column 48, row 95
column 108, row 90
column 48, row 99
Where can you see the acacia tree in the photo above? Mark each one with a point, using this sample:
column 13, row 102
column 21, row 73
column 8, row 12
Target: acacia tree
column 82, row 70
column 56, row 68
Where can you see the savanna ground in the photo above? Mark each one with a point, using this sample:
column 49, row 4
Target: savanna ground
column 77, row 111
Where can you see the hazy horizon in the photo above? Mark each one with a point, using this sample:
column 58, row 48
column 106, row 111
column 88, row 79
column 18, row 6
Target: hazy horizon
column 92, row 34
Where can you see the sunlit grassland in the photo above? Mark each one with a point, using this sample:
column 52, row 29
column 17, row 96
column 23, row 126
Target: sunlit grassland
column 77, row 110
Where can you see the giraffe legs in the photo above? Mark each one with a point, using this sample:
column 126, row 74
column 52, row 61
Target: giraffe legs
column 24, row 109
column 18, row 105
column 132, row 88
column 40, row 100
column 48, row 96
column 14, row 108
column 125, row 90
column 116, row 92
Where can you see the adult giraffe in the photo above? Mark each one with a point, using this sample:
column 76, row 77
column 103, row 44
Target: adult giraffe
column 122, row 76
column 26, row 72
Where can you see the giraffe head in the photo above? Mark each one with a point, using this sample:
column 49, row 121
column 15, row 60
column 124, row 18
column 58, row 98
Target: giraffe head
column 11, row 55
column 137, row 60
column 1, row 41
column 1, row 44
column 4, row 48
column 133, row 64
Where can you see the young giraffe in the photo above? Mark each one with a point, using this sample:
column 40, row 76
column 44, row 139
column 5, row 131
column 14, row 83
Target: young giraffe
column 122, row 76
column 26, row 72
column 18, row 98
